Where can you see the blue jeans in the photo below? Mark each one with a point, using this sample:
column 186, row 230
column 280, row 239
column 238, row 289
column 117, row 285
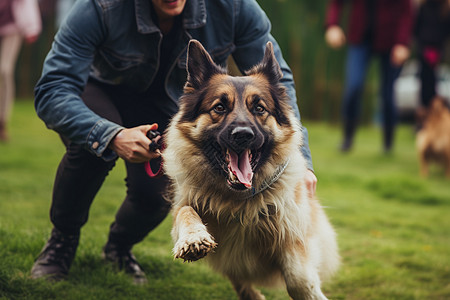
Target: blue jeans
column 358, row 59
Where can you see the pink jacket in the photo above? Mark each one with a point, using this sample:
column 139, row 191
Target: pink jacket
column 26, row 19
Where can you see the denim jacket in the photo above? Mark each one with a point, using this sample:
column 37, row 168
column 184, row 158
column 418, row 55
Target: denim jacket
column 116, row 41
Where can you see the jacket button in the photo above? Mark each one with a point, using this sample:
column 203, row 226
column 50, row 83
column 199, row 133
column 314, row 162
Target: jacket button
column 95, row 145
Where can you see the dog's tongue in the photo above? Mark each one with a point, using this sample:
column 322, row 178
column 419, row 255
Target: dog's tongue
column 240, row 166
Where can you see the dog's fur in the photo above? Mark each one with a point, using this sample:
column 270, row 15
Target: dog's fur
column 278, row 234
column 433, row 139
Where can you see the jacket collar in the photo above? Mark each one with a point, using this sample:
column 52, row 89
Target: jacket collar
column 194, row 15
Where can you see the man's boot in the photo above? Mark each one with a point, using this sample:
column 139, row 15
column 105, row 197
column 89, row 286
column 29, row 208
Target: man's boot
column 53, row 263
column 122, row 259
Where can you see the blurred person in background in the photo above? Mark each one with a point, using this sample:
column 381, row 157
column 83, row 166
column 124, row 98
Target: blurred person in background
column 376, row 27
column 19, row 19
column 431, row 30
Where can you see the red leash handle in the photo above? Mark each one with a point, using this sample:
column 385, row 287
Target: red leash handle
column 149, row 170
column 160, row 171
column 156, row 143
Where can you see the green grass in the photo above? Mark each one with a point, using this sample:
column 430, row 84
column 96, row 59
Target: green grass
column 393, row 226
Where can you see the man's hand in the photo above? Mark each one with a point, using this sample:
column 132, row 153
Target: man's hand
column 335, row 37
column 132, row 144
column 31, row 39
column 311, row 183
column 399, row 54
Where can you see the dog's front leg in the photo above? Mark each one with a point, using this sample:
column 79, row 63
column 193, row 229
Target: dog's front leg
column 302, row 280
column 423, row 165
column 191, row 238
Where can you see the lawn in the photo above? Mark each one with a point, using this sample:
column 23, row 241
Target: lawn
column 393, row 226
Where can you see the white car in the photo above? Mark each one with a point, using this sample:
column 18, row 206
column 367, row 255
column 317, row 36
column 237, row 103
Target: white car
column 407, row 87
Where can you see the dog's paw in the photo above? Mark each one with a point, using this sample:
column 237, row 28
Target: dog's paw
column 194, row 246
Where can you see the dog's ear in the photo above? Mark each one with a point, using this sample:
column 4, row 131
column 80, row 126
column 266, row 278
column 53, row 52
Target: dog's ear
column 200, row 66
column 269, row 66
column 270, row 69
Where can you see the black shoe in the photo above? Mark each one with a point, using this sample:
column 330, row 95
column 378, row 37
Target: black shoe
column 123, row 260
column 349, row 133
column 387, row 150
column 53, row 263
column 346, row 146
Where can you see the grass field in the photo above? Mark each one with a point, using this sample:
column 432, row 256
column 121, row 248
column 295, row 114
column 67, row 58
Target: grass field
column 393, row 226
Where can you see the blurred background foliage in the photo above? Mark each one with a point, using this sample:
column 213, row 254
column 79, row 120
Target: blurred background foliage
column 298, row 26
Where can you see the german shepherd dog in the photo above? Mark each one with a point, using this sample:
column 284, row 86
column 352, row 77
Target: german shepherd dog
column 433, row 139
column 239, row 195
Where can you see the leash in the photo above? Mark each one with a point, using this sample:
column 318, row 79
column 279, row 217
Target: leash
column 156, row 143
column 149, row 171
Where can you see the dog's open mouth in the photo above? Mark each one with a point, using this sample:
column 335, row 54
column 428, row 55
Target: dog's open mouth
column 240, row 169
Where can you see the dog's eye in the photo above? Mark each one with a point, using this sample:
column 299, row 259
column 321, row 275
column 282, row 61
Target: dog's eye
column 219, row 108
column 259, row 109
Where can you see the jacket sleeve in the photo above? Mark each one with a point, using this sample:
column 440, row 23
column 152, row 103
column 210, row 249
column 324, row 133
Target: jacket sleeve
column 405, row 24
column 333, row 13
column 252, row 33
column 64, row 76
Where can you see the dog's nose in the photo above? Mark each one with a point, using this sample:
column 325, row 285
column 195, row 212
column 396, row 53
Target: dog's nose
column 242, row 134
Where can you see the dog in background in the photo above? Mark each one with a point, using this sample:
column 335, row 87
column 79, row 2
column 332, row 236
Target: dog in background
column 239, row 195
column 433, row 139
